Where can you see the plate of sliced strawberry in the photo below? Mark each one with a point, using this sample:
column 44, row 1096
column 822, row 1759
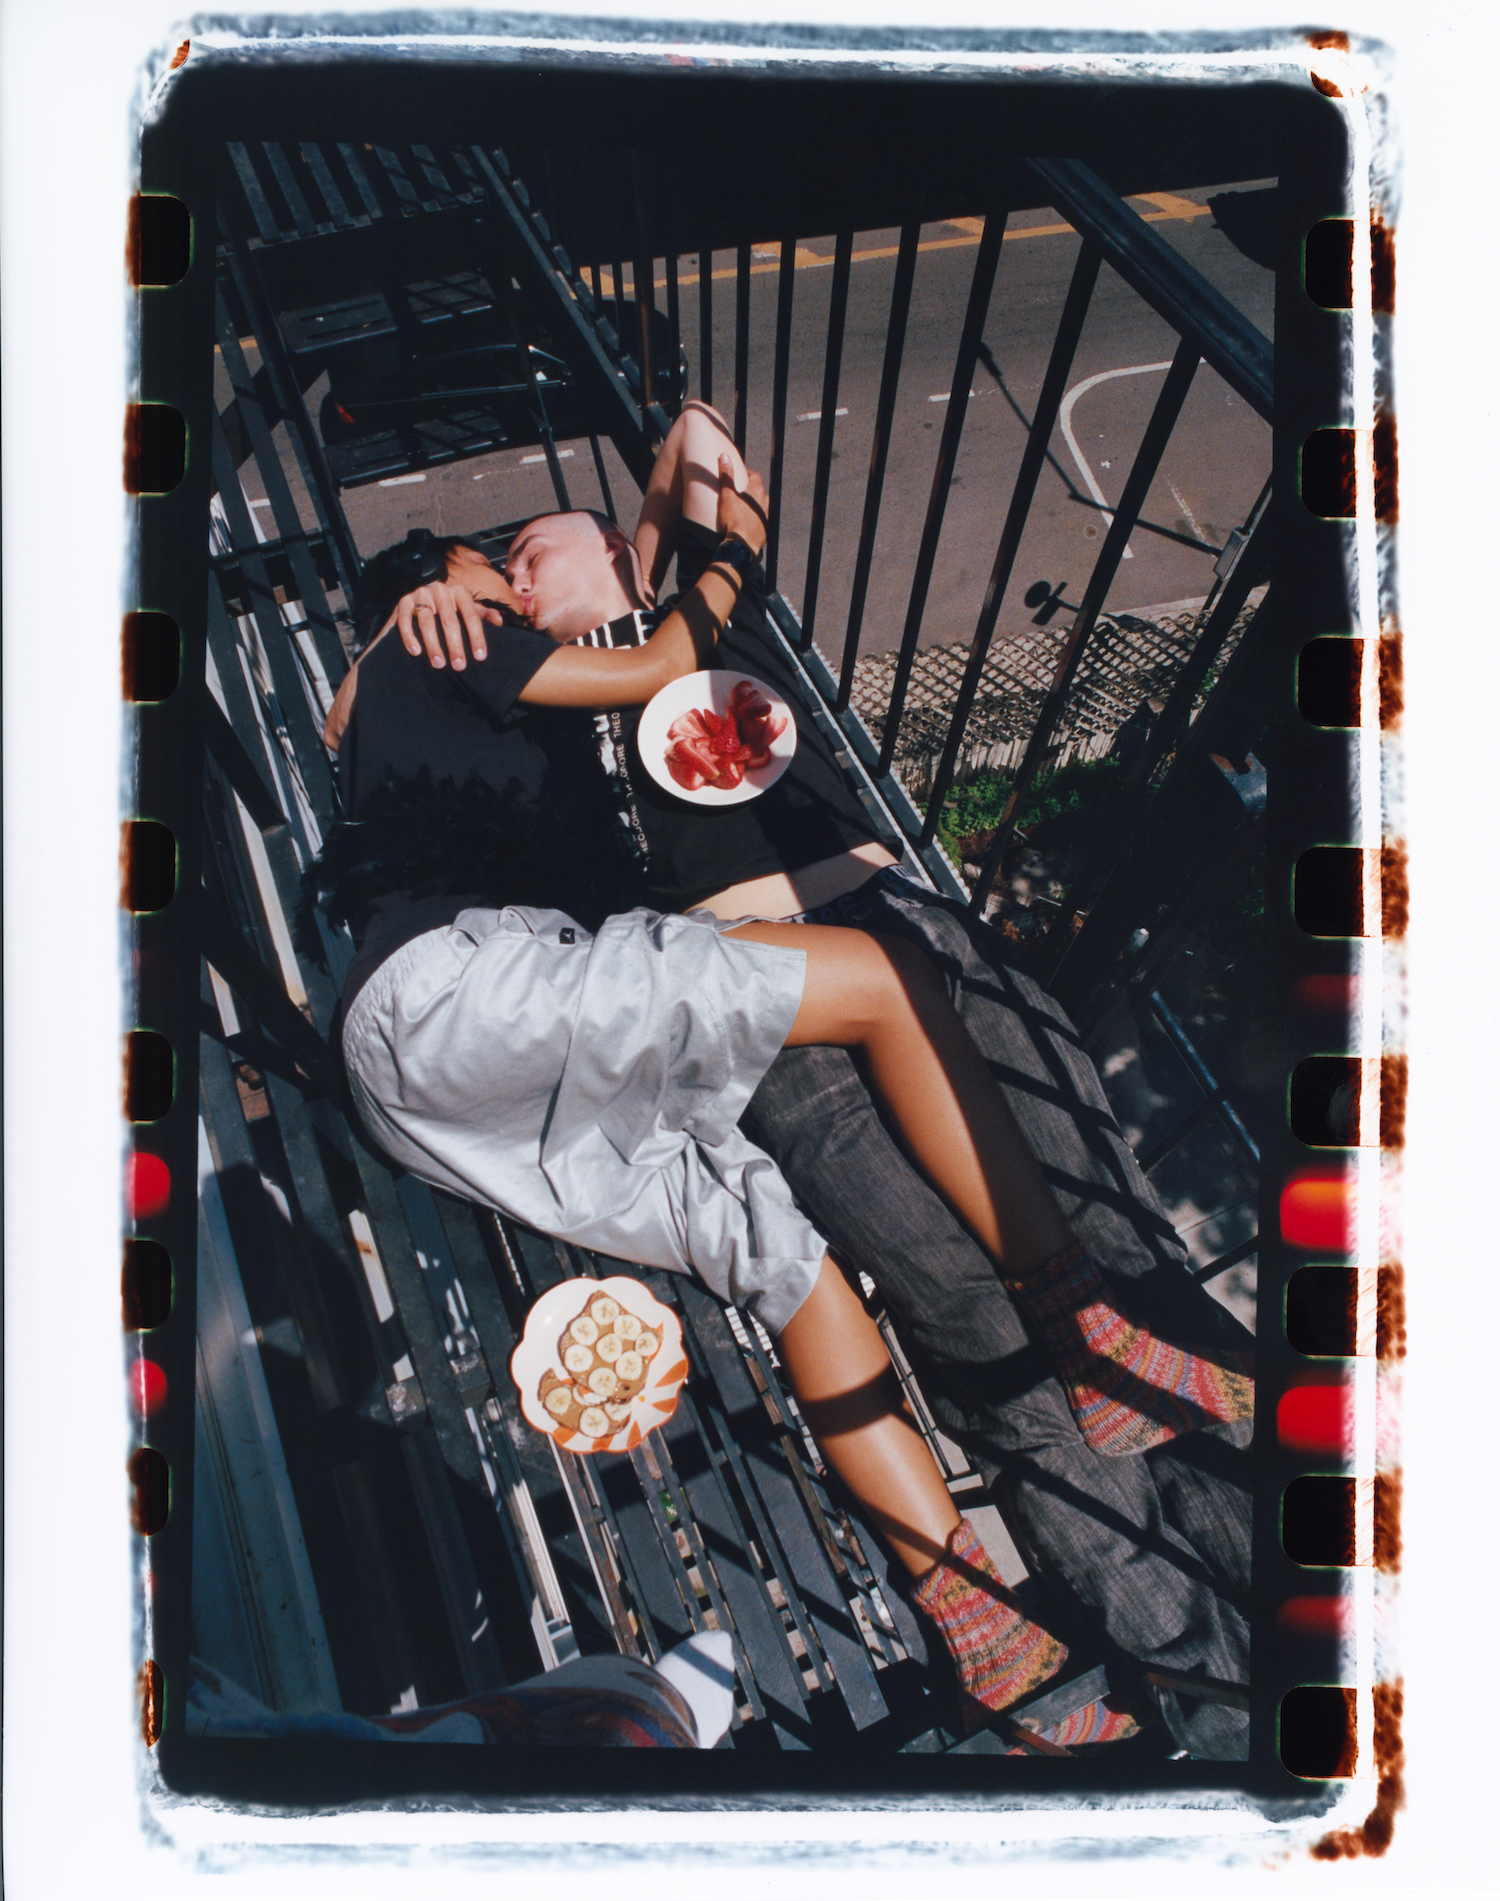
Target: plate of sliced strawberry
column 717, row 738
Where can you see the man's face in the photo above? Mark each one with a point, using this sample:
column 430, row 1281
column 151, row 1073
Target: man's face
column 562, row 571
column 468, row 568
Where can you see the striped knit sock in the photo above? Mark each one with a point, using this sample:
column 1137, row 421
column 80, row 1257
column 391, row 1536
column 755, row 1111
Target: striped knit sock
column 999, row 1653
column 1128, row 1390
column 1098, row 1722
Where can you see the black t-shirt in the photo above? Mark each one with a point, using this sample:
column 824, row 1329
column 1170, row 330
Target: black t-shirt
column 456, row 794
column 809, row 814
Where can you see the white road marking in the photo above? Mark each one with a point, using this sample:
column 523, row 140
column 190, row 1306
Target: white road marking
column 1187, row 514
column 816, row 415
column 1065, row 418
column 261, row 503
column 943, row 395
column 400, row 481
column 562, row 456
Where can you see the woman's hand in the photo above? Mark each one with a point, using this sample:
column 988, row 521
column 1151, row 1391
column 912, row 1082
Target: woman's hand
column 435, row 620
column 742, row 514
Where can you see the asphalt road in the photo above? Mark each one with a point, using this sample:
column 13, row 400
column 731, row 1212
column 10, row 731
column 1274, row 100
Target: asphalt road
column 1215, row 464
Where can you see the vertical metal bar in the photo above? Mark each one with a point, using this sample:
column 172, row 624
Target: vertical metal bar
column 982, row 283
column 593, row 270
column 838, row 305
column 291, row 191
column 741, row 342
column 642, row 266
column 785, row 284
column 609, row 503
column 360, row 181
column 706, row 326
column 507, row 299
column 674, row 327
column 1069, row 329
column 1220, row 612
column 318, row 166
column 618, row 267
column 890, row 376
column 1153, row 444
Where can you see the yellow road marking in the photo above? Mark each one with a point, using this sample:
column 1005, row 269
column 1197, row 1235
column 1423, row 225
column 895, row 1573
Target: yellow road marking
column 1169, row 207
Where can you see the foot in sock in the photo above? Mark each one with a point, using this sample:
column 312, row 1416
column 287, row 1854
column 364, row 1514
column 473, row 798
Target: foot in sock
column 1104, row 1720
column 1128, row 1390
column 999, row 1653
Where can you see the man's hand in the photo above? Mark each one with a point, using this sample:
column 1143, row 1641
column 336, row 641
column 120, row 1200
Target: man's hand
column 435, row 620
column 742, row 514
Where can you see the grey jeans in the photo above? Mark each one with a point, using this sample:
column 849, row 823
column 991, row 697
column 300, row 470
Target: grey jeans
column 1153, row 1550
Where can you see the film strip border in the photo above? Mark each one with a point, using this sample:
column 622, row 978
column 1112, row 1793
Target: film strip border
column 1339, row 1299
column 1330, row 1194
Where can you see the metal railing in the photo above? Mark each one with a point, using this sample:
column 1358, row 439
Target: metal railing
column 407, row 1307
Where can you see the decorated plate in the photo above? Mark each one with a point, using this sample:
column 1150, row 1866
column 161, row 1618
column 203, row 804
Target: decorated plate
column 715, row 693
column 600, row 1364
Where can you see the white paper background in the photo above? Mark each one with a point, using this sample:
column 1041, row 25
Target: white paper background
column 74, row 1821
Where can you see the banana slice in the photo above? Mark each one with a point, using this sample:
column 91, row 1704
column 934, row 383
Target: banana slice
column 619, row 1412
column 584, row 1331
column 604, row 1309
column 646, row 1344
column 593, row 1422
column 628, row 1327
column 603, row 1381
column 629, row 1366
column 577, row 1358
column 609, row 1347
column 558, row 1400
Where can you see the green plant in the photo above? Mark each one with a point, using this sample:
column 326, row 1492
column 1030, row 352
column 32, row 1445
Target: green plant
column 1063, row 802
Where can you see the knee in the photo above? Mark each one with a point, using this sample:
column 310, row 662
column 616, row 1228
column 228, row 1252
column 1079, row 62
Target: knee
column 908, row 979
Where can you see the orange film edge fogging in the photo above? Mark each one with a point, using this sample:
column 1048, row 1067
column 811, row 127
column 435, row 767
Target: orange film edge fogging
column 1373, row 1836
column 149, row 1688
column 148, row 1387
column 1318, row 1739
column 1326, row 1619
column 1317, row 1420
column 1318, row 1211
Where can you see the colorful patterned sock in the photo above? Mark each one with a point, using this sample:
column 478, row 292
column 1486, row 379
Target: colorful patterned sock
column 999, row 1653
column 1098, row 1722
column 1128, row 1390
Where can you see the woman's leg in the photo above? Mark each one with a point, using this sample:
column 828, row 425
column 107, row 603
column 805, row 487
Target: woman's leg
column 837, row 1365
column 882, row 999
column 851, row 1399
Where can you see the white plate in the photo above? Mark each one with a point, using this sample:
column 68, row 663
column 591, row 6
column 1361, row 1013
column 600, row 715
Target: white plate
column 537, row 1353
column 711, row 689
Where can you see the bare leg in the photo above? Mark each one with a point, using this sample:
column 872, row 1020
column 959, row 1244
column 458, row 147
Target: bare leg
column 883, row 1000
column 852, row 1402
column 880, row 998
column 836, row 1362
column 684, row 485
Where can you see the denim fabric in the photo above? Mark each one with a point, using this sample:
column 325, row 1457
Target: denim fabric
column 1154, row 1550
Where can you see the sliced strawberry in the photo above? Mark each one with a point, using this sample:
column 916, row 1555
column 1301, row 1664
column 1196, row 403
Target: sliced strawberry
column 685, row 771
